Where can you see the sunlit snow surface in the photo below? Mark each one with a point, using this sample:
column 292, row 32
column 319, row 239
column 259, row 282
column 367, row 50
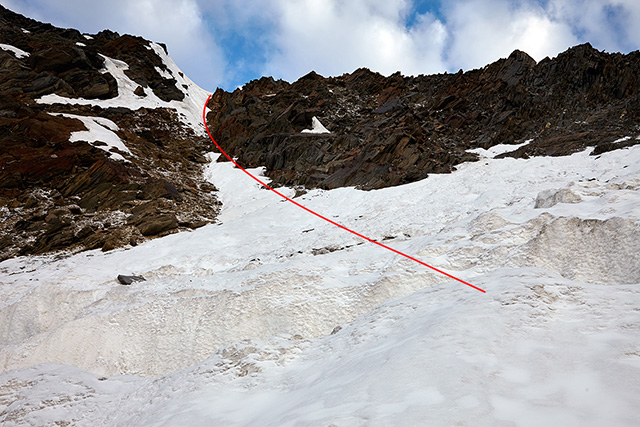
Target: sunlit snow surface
column 234, row 324
column 497, row 149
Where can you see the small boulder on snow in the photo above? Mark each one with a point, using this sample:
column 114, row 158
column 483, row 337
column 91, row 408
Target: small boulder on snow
column 127, row 280
column 317, row 127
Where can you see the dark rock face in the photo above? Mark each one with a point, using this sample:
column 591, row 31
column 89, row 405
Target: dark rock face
column 392, row 130
column 65, row 62
column 56, row 194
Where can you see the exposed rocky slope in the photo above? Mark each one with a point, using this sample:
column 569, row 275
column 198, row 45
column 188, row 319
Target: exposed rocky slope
column 101, row 143
column 392, row 130
column 96, row 146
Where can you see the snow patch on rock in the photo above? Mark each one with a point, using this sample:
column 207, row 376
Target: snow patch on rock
column 496, row 150
column 100, row 133
column 164, row 73
column 189, row 109
column 19, row 53
column 316, row 127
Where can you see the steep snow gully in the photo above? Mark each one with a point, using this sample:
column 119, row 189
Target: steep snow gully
column 272, row 317
column 318, row 125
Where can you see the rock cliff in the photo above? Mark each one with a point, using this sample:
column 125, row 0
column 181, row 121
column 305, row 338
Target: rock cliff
column 392, row 130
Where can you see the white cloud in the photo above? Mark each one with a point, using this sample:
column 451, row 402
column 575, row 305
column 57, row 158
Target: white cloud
column 631, row 19
column 609, row 24
column 482, row 31
column 181, row 25
column 337, row 36
column 236, row 15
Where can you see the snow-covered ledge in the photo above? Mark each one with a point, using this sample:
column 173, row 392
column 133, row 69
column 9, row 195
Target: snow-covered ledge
column 317, row 127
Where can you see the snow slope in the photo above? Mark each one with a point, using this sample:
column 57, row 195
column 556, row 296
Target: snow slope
column 271, row 317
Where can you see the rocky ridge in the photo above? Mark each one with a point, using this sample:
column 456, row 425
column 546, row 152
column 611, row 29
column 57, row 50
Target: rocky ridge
column 392, row 130
column 61, row 187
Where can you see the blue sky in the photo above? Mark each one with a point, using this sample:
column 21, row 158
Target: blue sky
column 229, row 42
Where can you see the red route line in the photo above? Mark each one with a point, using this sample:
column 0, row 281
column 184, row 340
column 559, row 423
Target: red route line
column 204, row 119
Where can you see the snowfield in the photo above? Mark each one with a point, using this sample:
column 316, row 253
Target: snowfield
column 273, row 318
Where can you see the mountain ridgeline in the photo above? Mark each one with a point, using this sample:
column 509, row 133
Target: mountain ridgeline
column 393, row 130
